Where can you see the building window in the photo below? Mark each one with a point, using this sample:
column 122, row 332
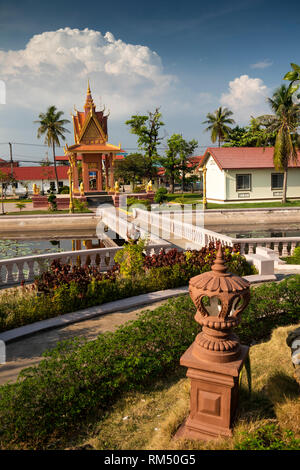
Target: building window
column 243, row 182
column 277, row 181
column 52, row 186
column 60, row 184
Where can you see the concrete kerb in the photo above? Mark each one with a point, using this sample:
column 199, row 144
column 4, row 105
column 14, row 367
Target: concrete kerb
column 110, row 307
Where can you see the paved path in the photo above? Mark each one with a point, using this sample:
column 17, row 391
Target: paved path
column 27, row 352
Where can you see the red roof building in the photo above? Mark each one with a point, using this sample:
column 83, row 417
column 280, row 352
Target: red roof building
column 246, row 174
column 42, row 176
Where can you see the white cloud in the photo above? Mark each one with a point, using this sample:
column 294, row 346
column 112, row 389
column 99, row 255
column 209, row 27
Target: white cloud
column 246, row 98
column 54, row 68
column 262, row 64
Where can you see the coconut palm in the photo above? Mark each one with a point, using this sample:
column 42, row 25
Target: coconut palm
column 218, row 124
column 52, row 126
column 285, row 123
column 293, row 77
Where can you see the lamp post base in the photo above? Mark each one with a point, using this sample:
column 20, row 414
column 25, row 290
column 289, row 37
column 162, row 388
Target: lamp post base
column 213, row 398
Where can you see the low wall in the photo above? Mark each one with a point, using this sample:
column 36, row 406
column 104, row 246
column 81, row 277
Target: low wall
column 251, row 216
column 116, row 197
column 55, row 222
column 62, row 202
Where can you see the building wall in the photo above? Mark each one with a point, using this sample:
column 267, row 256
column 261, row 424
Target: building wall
column 215, row 181
column 261, row 185
column 45, row 184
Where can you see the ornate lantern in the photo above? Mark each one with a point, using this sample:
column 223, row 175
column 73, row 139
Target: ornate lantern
column 220, row 298
column 216, row 357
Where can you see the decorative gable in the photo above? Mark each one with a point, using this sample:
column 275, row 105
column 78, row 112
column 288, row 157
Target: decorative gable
column 92, row 132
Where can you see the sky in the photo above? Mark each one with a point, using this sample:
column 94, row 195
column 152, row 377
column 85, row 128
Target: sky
column 186, row 58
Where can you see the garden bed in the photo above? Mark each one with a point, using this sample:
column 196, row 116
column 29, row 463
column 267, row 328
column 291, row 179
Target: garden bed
column 78, row 380
column 67, row 288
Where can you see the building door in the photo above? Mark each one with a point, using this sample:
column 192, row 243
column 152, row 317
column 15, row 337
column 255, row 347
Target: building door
column 93, row 180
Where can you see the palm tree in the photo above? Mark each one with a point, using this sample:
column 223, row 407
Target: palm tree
column 293, row 77
column 218, row 124
column 284, row 123
column 52, row 126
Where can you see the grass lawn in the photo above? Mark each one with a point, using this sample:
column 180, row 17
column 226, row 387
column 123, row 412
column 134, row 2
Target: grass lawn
column 148, row 419
column 36, row 212
column 194, row 198
column 7, row 201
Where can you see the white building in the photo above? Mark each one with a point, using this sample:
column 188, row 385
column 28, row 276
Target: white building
column 247, row 174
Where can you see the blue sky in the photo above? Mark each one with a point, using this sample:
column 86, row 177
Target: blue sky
column 188, row 58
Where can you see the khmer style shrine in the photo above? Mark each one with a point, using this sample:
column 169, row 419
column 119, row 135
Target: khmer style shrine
column 91, row 145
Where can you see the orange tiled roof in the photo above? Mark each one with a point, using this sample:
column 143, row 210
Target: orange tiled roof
column 244, row 157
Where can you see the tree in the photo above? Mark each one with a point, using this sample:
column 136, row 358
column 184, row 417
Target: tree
column 250, row 136
column 147, row 129
column 284, row 123
column 5, row 181
column 130, row 168
column 176, row 161
column 218, row 124
column 20, row 205
column 171, row 161
column 293, row 77
column 52, row 126
column 187, row 150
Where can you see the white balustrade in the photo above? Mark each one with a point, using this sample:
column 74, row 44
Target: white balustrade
column 14, row 271
column 164, row 221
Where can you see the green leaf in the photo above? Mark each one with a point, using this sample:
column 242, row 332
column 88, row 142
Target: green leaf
column 291, row 76
column 293, row 89
column 295, row 67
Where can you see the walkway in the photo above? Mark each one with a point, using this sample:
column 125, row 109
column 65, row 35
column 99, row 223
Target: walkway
column 27, row 352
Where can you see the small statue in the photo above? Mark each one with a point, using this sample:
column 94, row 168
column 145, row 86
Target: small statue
column 36, row 190
column 117, row 187
column 81, row 189
column 149, row 187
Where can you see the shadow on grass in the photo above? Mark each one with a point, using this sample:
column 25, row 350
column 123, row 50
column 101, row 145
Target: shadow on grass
column 261, row 404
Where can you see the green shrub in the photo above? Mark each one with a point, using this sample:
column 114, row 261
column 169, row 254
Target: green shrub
column 80, row 206
column 161, row 195
column 135, row 200
column 64, row 190
column 269, row 437
column 295, row 257
column 77, row 379
column 271, row 305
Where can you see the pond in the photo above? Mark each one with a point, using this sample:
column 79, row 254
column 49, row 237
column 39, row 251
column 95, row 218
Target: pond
column 258, row 230
column 31, row 243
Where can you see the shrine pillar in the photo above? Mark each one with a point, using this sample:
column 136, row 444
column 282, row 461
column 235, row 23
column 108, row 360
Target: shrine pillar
column 100, row 183
column 106, row 172
column 112, row 179
column 85, row 175
column 75, row 178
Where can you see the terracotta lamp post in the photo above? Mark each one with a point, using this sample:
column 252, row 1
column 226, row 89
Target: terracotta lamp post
column 216, row 357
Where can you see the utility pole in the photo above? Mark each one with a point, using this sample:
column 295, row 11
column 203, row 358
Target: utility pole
column 11, row 159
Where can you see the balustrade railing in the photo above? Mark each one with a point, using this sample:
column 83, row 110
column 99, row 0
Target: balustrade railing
column 15, row 270
column 169, row 224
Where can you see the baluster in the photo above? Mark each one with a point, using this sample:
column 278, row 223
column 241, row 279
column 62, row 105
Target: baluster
column 285, row 250
column 276, row 247
column 251, row 247
column 102, row 265
column 30, row 264
column 9, row 277
column 20, row 273
column 242, row 248
column 293, row 246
